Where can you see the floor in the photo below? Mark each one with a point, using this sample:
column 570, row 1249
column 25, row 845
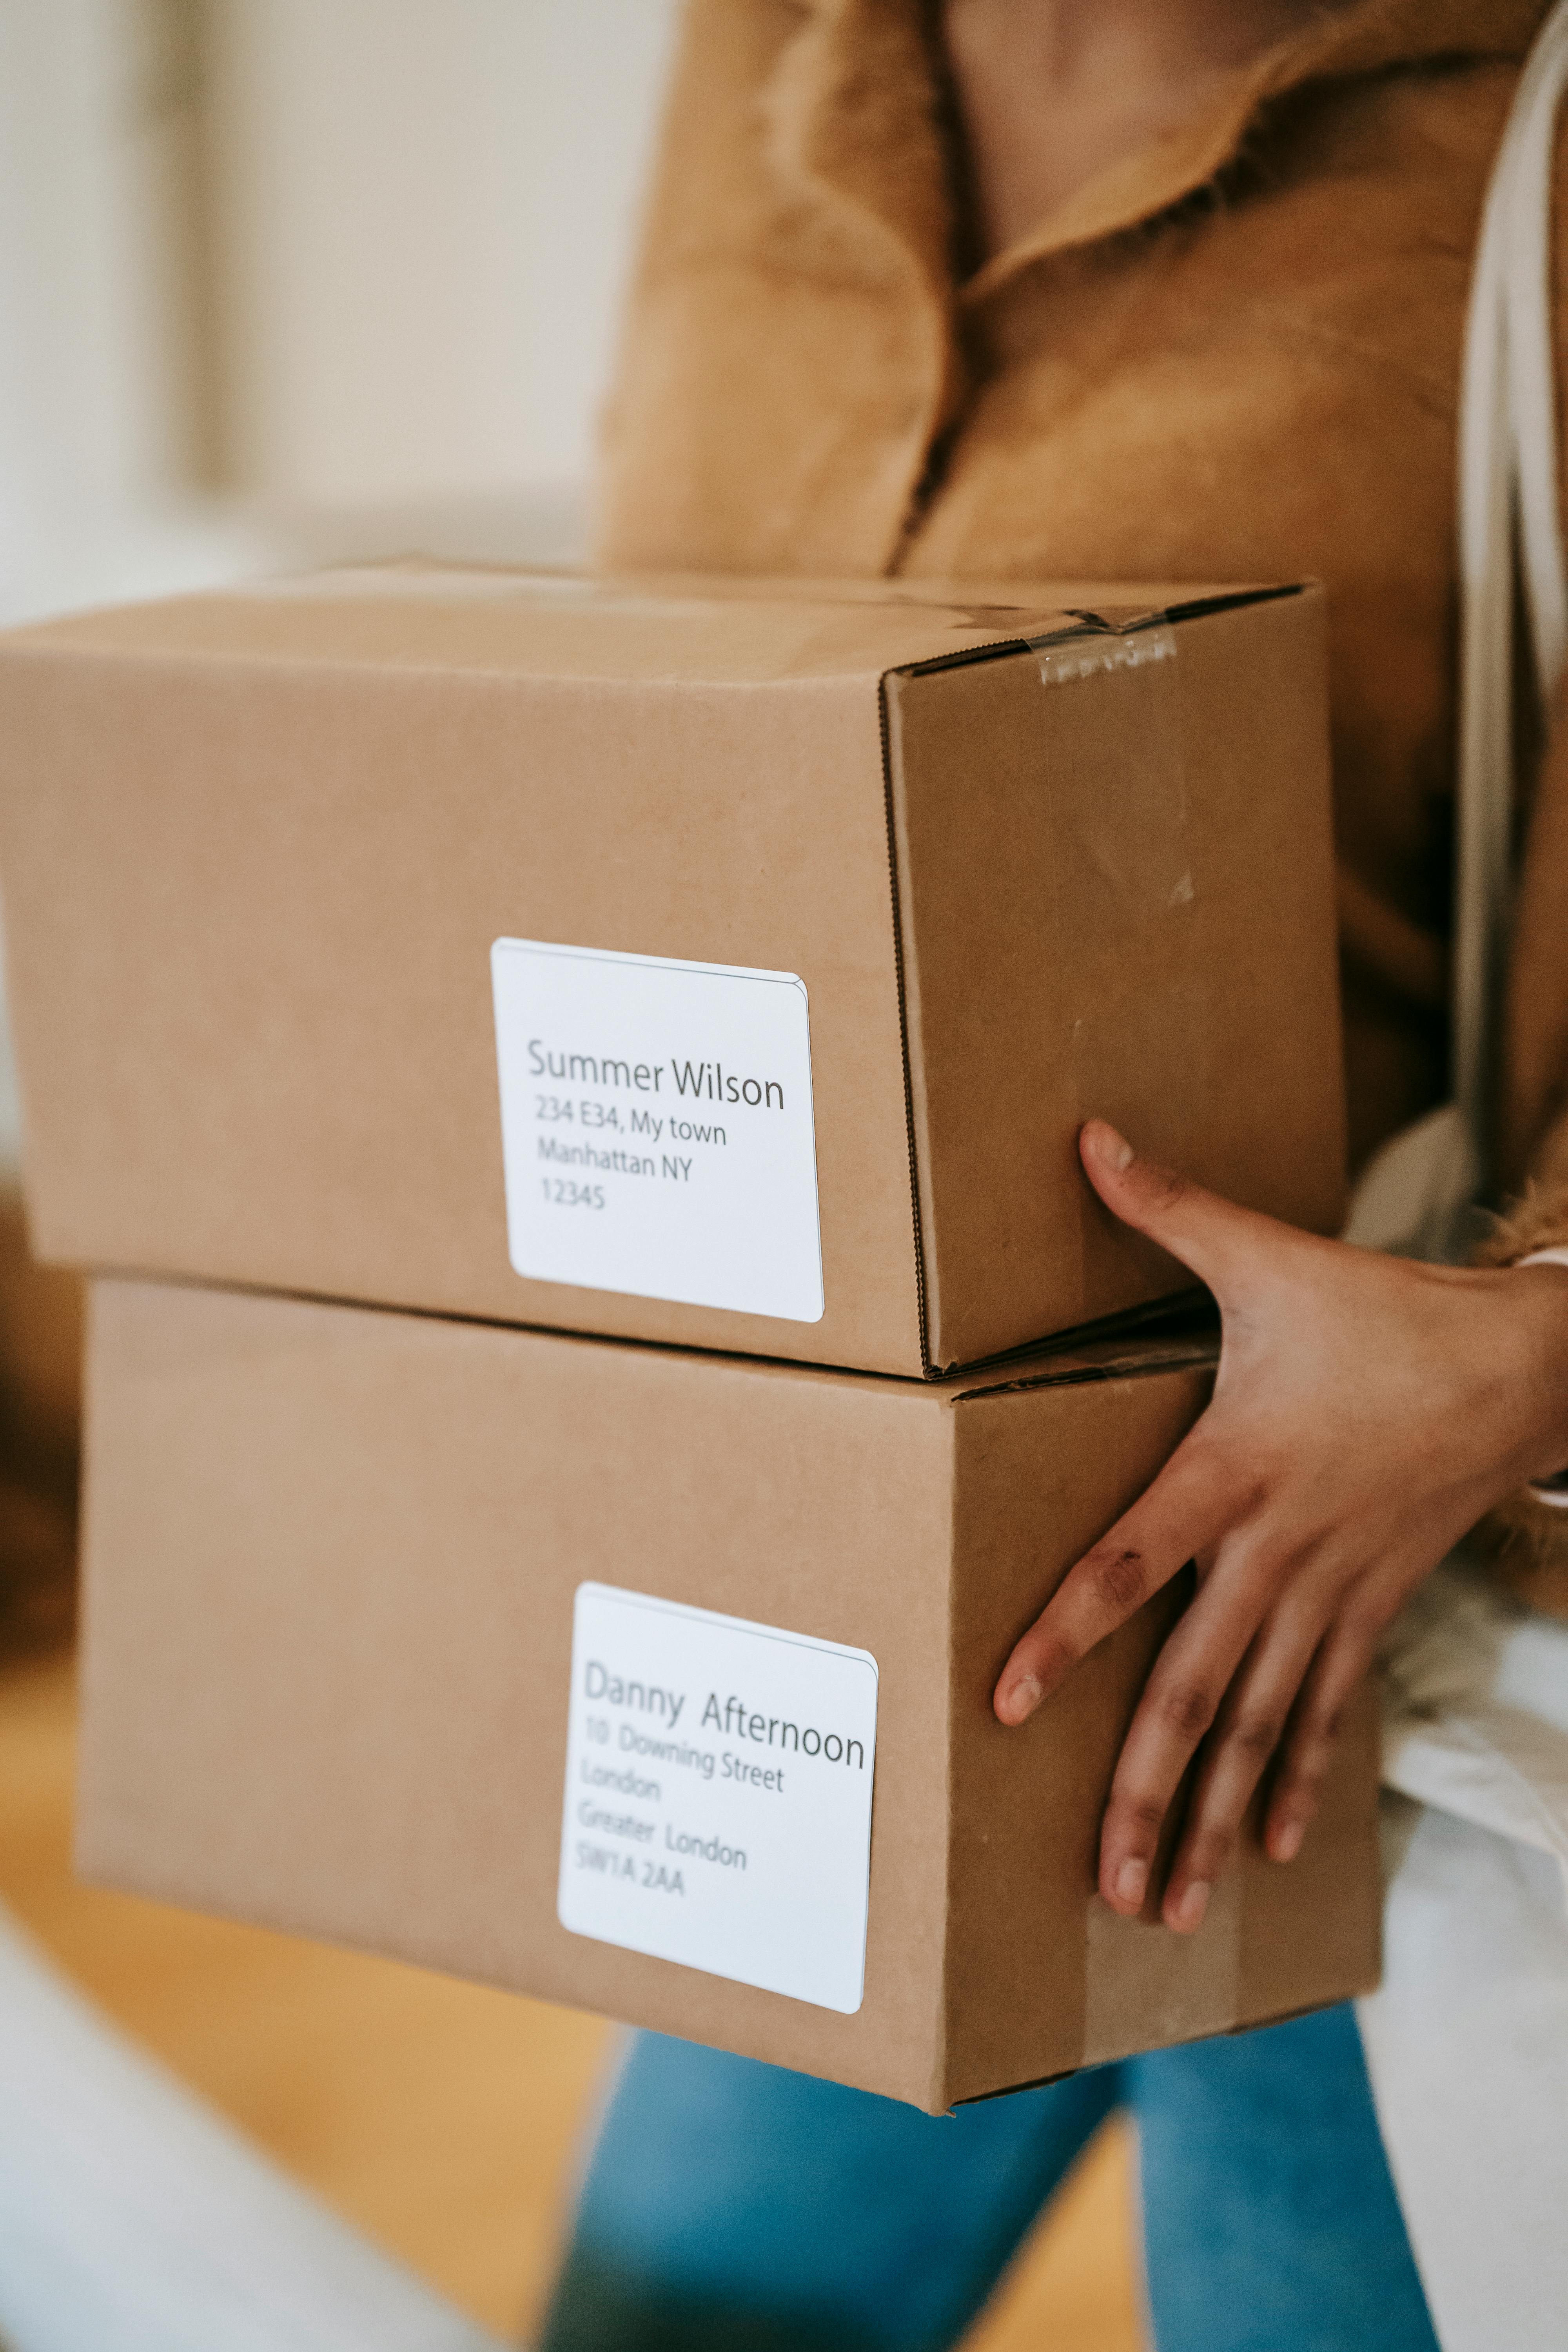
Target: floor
column 444, row 2118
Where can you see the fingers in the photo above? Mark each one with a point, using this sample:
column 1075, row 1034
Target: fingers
column 1201, row 1688
column 1287, row 1695
column 1343, row 1660
column 1190, row 1504
column 1255, row 1718
column 1211, row 1235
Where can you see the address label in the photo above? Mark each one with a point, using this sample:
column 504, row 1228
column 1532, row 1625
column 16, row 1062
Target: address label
column 718, row 1804
column 657, row 1127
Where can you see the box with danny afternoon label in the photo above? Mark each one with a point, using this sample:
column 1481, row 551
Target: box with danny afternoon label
column 725, row 964
column 658, row 1685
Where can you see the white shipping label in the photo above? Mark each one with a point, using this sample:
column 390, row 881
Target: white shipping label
column 717, row 1806
column 657, row 1127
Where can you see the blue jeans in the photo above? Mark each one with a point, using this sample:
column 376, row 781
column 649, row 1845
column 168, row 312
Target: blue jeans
column 732, row 2204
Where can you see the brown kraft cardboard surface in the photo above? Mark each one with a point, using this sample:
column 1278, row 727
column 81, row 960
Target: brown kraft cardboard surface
column 331, row 1557
column 1021, row 854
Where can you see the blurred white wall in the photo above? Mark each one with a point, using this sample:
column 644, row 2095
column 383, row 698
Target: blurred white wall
column 97, row 379
column 424, row 210
column 307, row 275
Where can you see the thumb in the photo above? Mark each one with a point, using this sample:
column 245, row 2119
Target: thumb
column 1211, row 1235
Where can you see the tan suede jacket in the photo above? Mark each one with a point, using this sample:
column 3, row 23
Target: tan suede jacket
column 1233, row 356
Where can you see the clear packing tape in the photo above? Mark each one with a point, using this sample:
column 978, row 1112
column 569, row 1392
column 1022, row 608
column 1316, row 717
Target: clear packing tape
column 1100, row 645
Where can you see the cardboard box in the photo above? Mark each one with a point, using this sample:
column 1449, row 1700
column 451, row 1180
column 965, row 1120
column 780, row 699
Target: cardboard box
column 332, row 1556
column 257, row 849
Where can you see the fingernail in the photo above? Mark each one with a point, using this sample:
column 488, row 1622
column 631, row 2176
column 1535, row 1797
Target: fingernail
column 1194, row 1901
column 1021, row 1698
column 1286, row 1842
column 1130, row 1881
column 1116, row 1149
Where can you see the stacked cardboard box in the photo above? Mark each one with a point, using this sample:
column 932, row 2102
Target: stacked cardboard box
column 651, row 1669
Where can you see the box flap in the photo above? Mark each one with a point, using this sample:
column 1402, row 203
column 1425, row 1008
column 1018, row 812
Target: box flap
column 623, row 631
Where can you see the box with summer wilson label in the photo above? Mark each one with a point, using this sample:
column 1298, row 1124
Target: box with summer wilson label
column 722, row 963
column 658, row 1685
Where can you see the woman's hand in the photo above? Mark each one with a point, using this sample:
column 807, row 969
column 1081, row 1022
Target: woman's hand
column 1367, row 1412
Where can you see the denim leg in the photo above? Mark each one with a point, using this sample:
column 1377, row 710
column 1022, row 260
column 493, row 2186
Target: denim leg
column 730, row 2203
column 1270, row 2218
